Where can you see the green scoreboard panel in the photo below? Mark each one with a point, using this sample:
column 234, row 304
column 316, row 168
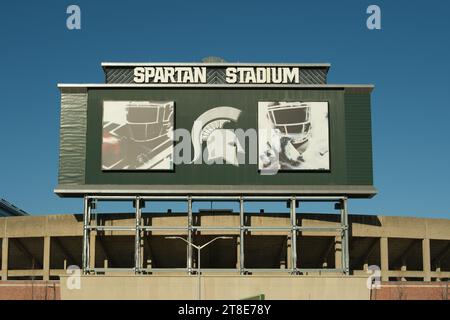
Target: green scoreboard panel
column 215, row 129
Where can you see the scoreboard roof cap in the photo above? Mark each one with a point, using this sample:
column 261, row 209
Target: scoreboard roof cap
column 365, row 87
column 209, row 64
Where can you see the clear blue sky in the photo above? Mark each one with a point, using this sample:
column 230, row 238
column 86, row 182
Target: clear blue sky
column 407, row 60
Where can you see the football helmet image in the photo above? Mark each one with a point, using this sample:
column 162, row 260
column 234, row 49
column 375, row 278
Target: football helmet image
column 290, row 131
column 141, row 139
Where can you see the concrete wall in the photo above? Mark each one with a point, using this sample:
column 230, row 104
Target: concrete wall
column 217, row 287
column 50, row 290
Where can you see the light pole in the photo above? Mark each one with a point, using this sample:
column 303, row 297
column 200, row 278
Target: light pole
column 199, row 249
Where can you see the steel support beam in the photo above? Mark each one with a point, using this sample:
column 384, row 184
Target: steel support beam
column 137, row 239
column 92, row 247
column 218, row 197
column 346, row 239
column 338, row 254
column 293, row 216
column 189, row 236
column 139, row 228
column 241, row 236
column 86, row 234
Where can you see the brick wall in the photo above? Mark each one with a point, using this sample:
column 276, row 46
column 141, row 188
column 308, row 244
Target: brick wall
column 412, row 291
column 29, row 290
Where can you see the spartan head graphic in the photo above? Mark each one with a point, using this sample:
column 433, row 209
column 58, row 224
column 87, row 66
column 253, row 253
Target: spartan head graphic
column 222, row 145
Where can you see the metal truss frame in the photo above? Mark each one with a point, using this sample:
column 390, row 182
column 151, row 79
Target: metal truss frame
column 139, row 228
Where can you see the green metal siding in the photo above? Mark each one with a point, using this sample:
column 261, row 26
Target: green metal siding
column 72, row 151
column 358, row 133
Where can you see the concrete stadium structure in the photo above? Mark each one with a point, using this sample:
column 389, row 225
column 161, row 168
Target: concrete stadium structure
column 8, row 209
column 405, row 248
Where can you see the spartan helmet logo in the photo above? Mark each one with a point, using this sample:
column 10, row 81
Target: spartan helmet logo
column 222, row 144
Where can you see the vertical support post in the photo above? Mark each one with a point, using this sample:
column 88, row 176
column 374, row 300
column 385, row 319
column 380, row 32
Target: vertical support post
column 89, row 243
column 284, row 255
column 345, row 242
column 241, row 236
column 384, row 256
column 342, row 237
column 46, row 262
column 238, row 253
column 338, row 256
column 86, row 232
column 289, row 252
column 199, row 276
column 189, row 236
column 137, row 236
column 293, row 235
column 142, row 263
column 92, row 247
column 426, row 257
column 5, row 255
